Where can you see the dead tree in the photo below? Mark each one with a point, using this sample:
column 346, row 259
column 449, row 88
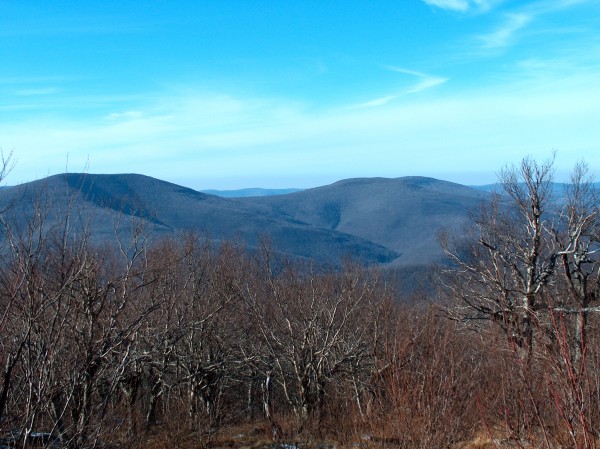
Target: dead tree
column 500, row 272
column 315, row 330
column 577, row 235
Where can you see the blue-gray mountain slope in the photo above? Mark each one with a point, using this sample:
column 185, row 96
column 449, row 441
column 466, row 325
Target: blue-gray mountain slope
column 104, row 201
column 402, row 214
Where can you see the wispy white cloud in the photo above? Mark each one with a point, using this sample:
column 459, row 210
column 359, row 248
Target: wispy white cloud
column 454, row 5
column 196, row 137
column 377, row 101
column 504, row 35
column 406, row 71
column 523, row 16
column 463, row 5
column 424, row 82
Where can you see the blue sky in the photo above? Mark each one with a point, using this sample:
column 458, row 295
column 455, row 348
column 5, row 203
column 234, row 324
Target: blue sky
column 255, row 93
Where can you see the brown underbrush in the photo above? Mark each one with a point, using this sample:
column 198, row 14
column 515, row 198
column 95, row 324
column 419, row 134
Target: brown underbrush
column 191, row 345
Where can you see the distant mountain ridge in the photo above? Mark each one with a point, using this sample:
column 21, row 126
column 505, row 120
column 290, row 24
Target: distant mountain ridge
column 559, row 189
column 168, row 208
column 254, row 191
column 403, row 214
column 373, row 220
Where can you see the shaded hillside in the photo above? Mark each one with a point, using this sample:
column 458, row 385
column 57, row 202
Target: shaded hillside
column 403, row 214
column 104, row 200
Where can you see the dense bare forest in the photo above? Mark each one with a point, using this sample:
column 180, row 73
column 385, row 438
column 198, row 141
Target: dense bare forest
column 190, row 343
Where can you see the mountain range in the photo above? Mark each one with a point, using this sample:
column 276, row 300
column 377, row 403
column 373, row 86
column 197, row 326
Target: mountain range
column 243, row 193
column 373, row 220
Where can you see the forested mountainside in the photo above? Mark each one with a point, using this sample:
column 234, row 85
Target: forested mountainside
column 373, row 220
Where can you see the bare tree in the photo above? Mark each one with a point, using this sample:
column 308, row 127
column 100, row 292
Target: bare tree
column 502, row 270
column 9, row 354
column 315, row 331
column 578, row 238
column 70, row 315
column 531, row 267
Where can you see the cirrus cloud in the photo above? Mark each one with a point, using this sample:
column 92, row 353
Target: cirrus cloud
column 463, row 5
column 504, row 35
column 206, row 140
